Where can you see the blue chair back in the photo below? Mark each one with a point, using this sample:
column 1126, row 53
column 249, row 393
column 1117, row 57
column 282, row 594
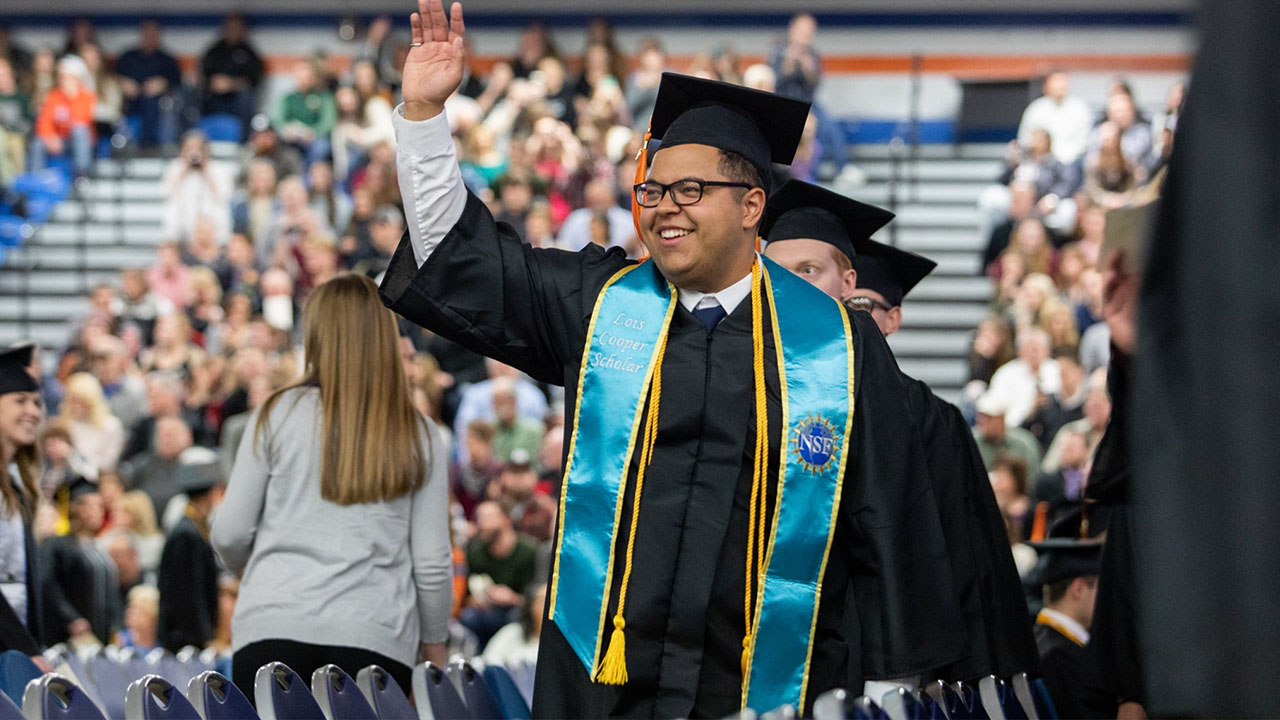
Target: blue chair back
column 475, row 691
column 151, row 697
column 435, row 695
column 215, row 698
column 111, row 676
column 9, row 709
column 962, row 702
column 901, row 704
column 54, row 697
column 16, row 670
column 221, row 128
column 1042, row 701
column 338, row 696
column 383, row 694
column 511, row 703
column 864, row 708
column 281, row 695
column 998, row 700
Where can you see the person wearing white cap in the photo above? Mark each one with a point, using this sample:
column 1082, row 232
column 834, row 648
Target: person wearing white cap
column 995, row 438
column 65, row 123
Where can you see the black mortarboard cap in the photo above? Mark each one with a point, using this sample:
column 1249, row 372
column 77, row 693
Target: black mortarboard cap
column 1068, row 551
column 78, row 487
column 198, row 470
column 800, row 210
column 13, row 370
column 762, row 127
column 888, row 270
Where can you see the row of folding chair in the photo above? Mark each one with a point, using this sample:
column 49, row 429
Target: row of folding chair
column 457, row 691
column 1019, row 698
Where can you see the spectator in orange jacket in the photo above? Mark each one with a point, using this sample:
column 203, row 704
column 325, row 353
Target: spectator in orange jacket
column 65, row 122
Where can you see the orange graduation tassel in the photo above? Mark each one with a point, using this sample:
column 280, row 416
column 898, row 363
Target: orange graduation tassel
column 1040, row 524
column 642, row 167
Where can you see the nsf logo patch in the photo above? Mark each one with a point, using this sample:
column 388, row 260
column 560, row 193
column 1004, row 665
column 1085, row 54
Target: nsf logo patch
column 814, row 442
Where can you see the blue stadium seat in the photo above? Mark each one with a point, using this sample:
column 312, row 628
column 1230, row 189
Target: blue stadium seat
column 962, row 702
column 111, row 676
column 383, row 694
column 475, row 691
column 9, row 709
column 864, row 708
column 221, row 128
column 215, row 698
column 338, row 696
column 54, row 697
column 435, row 695
column 281, row 695
column 510, row 701
column 151, row 697
column 998, row 699
column 902, row 704
column 1034, row 696
column 13, row 230
column 50, row 182
column 16, row 670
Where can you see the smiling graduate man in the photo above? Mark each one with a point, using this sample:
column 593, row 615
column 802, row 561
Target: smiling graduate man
column 825, row 238
column 721, row 496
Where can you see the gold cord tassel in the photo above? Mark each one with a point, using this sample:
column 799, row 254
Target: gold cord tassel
column 613, row 667
column 756, row 519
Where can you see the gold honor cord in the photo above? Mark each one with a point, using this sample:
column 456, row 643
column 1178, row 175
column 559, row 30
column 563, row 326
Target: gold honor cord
column 613, row 668
column 756, row 522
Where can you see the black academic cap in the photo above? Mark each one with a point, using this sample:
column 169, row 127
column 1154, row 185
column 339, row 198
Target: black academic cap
column 13, row 370
column 1068, row 551
column 78, row 487
column 762, row 127
column 888, row 270
column 800, row 210
column 198, row 470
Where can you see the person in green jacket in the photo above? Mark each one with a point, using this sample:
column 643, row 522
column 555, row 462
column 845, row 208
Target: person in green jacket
column 306, row 116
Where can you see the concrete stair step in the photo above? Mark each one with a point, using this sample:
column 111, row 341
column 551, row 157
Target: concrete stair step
column 930, row 192
column 939, row 315
column 966, row 151
column 953, row 288
column 51, row 335
column 909, row 342
column 934, row 170
column 932, row 240
column 53, row 309
column 100, row 233
column 938, row 372
column 108, row 212
column 97, row 257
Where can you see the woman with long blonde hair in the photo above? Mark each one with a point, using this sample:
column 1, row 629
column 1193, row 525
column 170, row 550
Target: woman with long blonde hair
column 336, row 512
column 96, row 433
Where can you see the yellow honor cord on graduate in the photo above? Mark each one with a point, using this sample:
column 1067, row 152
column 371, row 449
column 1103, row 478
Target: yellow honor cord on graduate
column 756, row 518
column 613, row 667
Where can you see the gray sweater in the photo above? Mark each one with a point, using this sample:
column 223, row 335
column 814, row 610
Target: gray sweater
column 376, row 576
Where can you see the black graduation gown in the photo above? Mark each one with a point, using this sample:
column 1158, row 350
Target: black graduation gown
column 987, row 581
column 1064, row 664
column 529, row 308
column 77, row 587
column 188, row 584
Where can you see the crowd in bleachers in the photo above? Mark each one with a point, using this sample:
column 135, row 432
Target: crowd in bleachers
column 1037, row 386
column 174, row 357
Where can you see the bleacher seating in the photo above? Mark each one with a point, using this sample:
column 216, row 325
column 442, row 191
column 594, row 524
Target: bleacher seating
column 117, row 224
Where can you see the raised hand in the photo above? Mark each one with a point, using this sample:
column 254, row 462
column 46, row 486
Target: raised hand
column 433, row 67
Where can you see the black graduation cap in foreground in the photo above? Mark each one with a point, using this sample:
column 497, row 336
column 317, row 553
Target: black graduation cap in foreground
column 78, row 487
column 888, row 270
column 13, row 370
column 762, row 127
column 1068, row 551
column 801, row 210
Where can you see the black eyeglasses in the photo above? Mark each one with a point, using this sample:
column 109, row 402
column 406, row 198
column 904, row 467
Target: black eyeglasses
column 867, row 304
column 683, row 192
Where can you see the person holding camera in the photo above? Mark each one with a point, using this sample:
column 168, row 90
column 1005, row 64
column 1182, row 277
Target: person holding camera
column 195, row 186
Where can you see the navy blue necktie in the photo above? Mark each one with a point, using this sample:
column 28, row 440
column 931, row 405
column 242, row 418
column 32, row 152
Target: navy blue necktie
column 710, row 316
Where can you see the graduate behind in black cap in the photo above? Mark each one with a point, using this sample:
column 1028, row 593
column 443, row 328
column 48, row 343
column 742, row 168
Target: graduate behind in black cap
column 188, row 579
column 885, row 276
column 810, row 229
column 819, row 228
column 81, row 588
column 1067, row 573
column 655, row 606
column 21, row 412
